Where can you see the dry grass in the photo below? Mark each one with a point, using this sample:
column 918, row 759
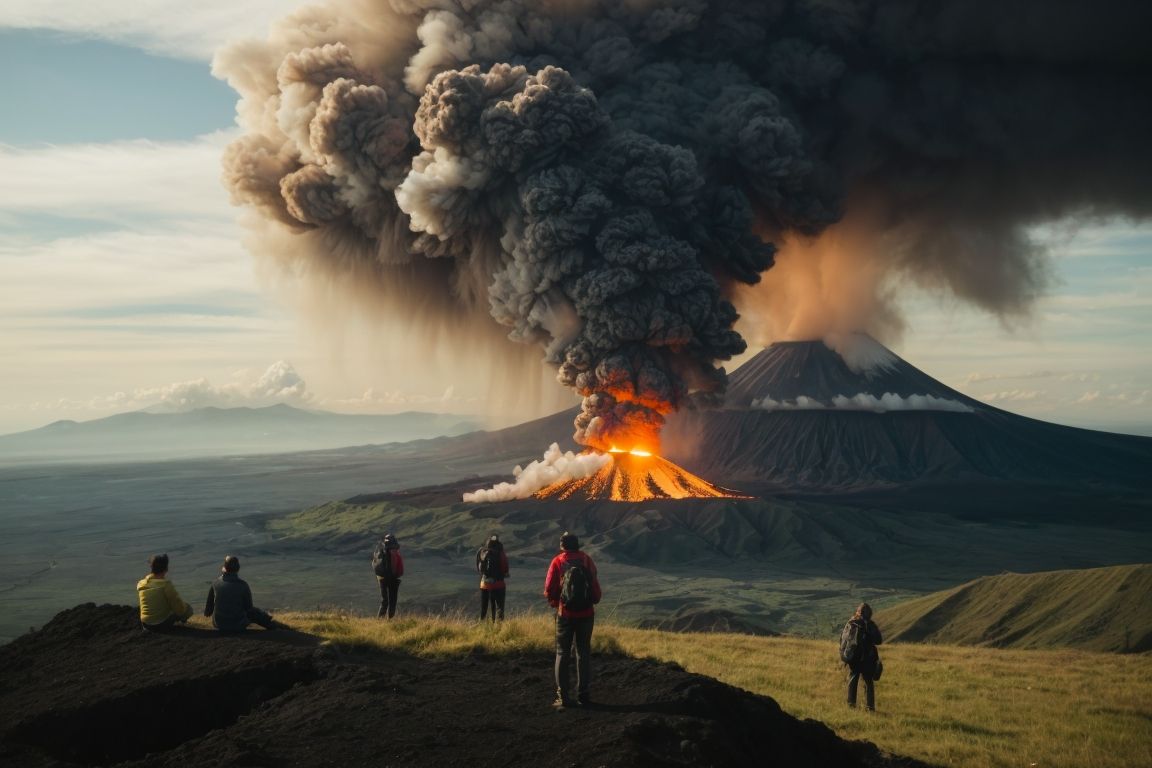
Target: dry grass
column 952, row 706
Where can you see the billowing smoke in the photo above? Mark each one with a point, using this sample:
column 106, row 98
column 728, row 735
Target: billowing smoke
column 605, row 178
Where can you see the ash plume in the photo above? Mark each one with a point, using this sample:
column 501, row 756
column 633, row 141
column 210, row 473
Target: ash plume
column 605, row 178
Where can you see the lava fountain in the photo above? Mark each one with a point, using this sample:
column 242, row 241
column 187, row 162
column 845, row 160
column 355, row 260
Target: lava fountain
column 636, row 475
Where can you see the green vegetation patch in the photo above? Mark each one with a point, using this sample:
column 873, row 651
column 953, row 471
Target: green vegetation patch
column 1099, row 609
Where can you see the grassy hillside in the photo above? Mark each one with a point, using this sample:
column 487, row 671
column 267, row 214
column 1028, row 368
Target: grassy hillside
column 971, row 707
column 1097, row 609
column 770, row 565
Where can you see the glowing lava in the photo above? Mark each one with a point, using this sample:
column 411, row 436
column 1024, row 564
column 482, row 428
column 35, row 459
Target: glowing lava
column 637, row 475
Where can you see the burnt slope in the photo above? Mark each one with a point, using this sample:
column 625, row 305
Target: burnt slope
column 277, row 699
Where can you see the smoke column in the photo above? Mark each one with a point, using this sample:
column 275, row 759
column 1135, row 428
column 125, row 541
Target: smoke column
column 605, row 178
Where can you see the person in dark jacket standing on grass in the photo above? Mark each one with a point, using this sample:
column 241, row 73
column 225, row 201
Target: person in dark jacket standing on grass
column 389, row 568
column 572, row 587
column 229, row 601
column 869, row 658
column 492, row 565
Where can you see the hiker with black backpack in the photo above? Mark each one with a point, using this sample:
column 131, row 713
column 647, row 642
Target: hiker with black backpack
column 858, row 641
column 388, row 566
column 573, row 589
column 492, row 565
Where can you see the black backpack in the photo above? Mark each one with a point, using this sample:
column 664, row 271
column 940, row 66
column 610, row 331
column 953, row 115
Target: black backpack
column 382, row 558
column 490, row 564
column 576, row 586
column 853, row 642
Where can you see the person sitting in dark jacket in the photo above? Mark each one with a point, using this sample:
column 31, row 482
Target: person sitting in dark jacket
column 230, row 602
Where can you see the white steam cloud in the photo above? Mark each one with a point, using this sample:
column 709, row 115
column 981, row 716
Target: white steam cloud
column 555, row 467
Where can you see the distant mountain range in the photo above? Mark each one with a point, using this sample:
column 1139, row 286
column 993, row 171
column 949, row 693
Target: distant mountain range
column 220, row 432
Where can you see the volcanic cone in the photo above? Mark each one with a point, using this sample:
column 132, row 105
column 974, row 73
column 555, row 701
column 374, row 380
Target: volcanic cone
column 637, row 477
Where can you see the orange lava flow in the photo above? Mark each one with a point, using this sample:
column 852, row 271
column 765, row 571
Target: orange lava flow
column 637, row 476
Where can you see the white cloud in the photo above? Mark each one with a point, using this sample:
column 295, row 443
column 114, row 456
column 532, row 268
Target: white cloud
column 128, row 223
column 981, row 378
column 279, row 383
column 1014, row 395
column 375, row 400
column 120, row 183
column 865, row 402
column 168, row 27
column 122, row 263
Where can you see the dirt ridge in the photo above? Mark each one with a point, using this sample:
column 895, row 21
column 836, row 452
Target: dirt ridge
column 90, row 688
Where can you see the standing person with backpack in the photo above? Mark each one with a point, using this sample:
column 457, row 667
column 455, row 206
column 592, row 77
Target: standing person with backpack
column 492, row 565
column 858, row 641
column 388, row 566
column 573, row 589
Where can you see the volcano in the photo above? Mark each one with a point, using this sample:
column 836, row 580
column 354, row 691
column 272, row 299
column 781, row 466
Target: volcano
column 802, row 415
column 636, row 476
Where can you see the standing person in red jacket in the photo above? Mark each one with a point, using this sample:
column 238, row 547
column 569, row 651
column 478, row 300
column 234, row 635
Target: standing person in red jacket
column 573, row 589
column 389, row 567
column 492, row 565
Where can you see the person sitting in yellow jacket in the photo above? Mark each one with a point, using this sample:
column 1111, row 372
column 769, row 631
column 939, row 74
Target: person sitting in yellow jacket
column 160, row 604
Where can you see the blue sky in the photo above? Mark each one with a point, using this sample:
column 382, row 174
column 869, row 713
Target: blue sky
column 124, row 282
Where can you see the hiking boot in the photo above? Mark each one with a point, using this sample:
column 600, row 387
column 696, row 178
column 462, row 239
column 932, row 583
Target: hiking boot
column 561, row 701
column 584, row 700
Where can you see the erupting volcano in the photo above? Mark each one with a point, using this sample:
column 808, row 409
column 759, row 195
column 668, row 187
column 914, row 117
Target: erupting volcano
column 636, row 476
column 610, row 181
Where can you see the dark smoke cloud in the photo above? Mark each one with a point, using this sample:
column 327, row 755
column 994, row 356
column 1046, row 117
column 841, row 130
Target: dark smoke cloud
column 601, row 176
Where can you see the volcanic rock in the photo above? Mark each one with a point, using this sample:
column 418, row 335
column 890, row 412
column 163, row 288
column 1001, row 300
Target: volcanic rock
column 92, row 689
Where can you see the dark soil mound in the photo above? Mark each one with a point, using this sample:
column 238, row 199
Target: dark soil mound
column 91, row 688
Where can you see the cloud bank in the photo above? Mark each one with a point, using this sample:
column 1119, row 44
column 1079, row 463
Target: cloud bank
column 865, row 402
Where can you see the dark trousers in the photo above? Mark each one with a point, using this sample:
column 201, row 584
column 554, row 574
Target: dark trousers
column 574, row 634
column 255, row 616
column 496, row 597
column 854, row 679
column 388, row 590
column 169, row 623
column 165, row 626
column 261, row 618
